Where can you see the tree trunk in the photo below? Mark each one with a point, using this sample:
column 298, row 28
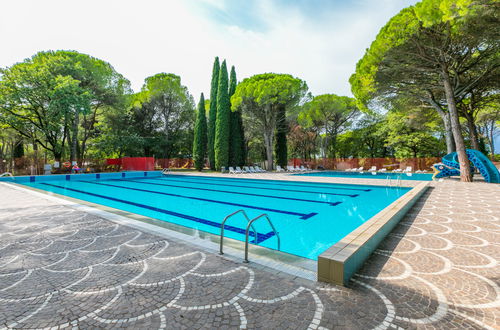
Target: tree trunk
column 450, row 141
column 74, row 141
column 474, row 137
column 465, row 172
column 268, row 142
column 491, row 142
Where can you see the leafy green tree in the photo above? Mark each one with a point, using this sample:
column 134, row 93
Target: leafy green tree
column 44, row 97
column 409, row 137
column 302, row 142
column 212, row 116
column 236, row 142
column 200, row 136
column 222, row 122
column 433, row 51
column 261, row 96
column 162, row 112
column 331, row 114
column 489, row 125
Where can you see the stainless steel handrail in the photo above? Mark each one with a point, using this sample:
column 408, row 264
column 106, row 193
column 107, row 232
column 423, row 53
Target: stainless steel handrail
column 222, row 228
column 7, row 174
column 250, row 223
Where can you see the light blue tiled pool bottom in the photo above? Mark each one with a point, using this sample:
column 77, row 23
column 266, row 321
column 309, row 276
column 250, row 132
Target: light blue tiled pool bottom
column 310, row 217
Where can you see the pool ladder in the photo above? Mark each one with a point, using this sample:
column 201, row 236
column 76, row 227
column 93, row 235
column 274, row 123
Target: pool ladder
column 7, row 174
column 389, row 181
column 247, row 231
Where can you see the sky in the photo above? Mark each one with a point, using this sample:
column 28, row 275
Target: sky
column 319, row 41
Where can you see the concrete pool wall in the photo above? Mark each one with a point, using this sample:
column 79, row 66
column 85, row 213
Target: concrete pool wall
column 339, row 263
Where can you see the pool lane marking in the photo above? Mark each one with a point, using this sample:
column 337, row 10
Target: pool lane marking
column 231, row 192
column 252, row 187
column 275, row 182
column 303, row 216
column 260, row 237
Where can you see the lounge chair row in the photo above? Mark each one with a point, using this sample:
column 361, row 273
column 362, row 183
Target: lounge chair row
column 290, row 168
column 246, row 169
column 408, row 169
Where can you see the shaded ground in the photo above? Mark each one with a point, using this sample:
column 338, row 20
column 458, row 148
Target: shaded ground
column 60, row 267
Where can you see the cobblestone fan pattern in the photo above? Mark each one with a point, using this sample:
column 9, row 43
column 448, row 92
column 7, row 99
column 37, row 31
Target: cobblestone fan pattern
column 63, row 268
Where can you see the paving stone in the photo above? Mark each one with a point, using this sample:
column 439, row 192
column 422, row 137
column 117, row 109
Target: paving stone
column 63, row 267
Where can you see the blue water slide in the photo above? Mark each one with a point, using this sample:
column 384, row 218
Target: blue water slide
column 484, row 165
column 478, row 160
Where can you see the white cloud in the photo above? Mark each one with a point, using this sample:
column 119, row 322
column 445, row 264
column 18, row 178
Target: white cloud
column 141, row 38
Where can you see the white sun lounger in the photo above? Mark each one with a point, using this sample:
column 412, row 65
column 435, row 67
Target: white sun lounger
column 258, row 169
column 279, row 169
column 234, row 171
column 373, row 169
column 239, row 169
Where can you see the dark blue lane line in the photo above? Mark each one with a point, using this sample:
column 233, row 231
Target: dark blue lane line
column 275, row 182
column 231, row 192
column 260, row 237
column 303, row 216
column 251, row 187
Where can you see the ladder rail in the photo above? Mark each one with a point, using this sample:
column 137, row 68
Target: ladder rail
column 7, row 174
column 250, row 223
column 221, row 244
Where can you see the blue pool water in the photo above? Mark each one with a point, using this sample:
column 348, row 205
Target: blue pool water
column 310, row 217
column 372, row 175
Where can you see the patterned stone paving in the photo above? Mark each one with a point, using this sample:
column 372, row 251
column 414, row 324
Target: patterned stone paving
column 64, row 268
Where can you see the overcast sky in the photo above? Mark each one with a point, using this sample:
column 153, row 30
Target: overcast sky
column 319, row 41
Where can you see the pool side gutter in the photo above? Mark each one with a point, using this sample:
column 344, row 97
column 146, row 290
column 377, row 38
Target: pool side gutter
column 339, row 263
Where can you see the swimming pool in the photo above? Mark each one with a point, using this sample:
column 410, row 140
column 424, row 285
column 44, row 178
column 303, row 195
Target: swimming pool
column 372, row 175
column 310, row 217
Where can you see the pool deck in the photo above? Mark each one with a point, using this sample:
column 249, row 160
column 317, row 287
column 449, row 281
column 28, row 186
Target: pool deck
column 63, row 267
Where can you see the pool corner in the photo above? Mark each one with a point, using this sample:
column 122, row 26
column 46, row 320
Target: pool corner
column 339, row 262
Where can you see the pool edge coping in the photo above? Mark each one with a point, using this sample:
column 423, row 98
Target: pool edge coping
column 264, row 258
column 340, row 261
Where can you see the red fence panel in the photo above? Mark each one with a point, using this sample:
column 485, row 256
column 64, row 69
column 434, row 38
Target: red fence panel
column 138, row 163
column 113, row 161
column 174, row 163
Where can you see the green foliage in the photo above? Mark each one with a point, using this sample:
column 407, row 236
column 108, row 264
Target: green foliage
column 438, row 52
column 408, row 135
column 44, row 96
column 261, row 96
column 221, row 144
column 330, row 113
column 200, row 136
column 236, row 142
column 212, row 116
column 162, row 113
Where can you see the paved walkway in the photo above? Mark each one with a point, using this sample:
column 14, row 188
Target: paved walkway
column 60, row 267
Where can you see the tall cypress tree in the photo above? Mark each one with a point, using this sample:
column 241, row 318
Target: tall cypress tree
column 200, row 136
column 281, row 131
column 235, row 133
column 221, row 145
column 212, row 115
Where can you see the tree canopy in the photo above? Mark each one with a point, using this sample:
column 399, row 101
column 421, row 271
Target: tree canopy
column 438, row 52
column 261, row 97
column 43, row 96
